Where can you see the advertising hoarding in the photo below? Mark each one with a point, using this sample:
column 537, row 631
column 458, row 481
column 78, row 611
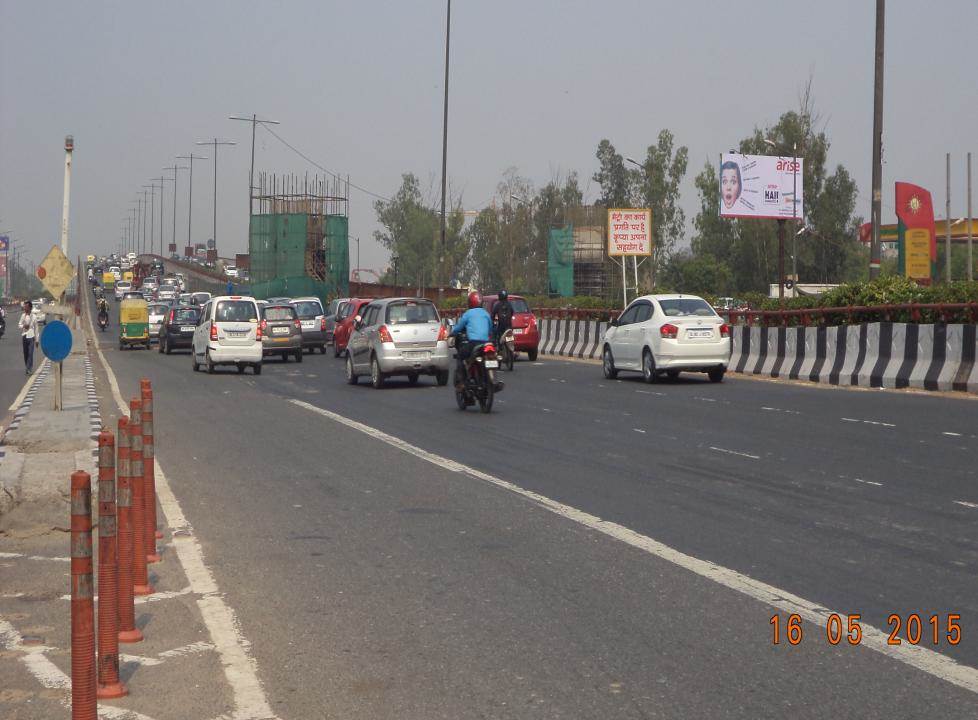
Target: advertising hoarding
column 760, row 186
column 629, row 232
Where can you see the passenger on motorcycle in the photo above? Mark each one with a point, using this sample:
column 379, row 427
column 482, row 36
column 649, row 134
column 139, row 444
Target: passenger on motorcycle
column 476, row 324
column 502, row 315
column 103, row 311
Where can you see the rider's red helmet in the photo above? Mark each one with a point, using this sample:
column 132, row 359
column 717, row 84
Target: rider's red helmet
column 475, row 299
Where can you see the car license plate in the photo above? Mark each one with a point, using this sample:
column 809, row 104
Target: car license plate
column 416, row 355
column 280, row 331
column 517, row 331
column 492, row 364
column 308, row 324
column 237, row 333
column 694, row 333
column 187, row 328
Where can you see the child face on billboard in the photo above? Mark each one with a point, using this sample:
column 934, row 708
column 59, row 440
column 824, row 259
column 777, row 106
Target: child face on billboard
column 729, row 184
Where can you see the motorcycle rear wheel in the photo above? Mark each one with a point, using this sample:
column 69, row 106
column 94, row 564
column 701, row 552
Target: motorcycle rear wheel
column 459, row 396
column 486, row 393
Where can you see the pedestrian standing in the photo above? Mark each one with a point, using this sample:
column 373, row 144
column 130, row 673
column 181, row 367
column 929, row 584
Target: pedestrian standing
column 230, row 288
column 28, row 335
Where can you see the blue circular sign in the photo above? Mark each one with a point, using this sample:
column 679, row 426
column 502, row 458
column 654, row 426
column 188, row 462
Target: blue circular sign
column 56, row 340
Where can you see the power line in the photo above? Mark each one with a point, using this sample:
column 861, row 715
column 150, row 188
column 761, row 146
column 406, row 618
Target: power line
column 316, row 164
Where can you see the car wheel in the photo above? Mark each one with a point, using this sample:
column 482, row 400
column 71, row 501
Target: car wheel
column 441, row 377
column 193, row 355
column 377, row 378
column 159, row 347
column 169, row 348
column 336, row 350
column 648, row 367
column 285, row 357
column 240, row 368
column 256, row 368
column 413, row 378
column 532, row 355
column 351, row 376
column 298, row 355
column 608, row 364
column 209, row 363
column 322, row 349
column 716, row 374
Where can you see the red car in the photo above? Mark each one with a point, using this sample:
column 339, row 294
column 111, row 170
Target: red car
column 526, row 333
column 344, row 324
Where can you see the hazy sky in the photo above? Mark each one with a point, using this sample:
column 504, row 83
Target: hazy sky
column 535, row 84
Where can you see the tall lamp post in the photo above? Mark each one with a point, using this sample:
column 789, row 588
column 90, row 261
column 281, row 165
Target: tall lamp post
column 152, row 216
column 175, row 168
column 251, row 174
column 444, row 133
column 794, row 221
column 215, row 142
column 190, row 193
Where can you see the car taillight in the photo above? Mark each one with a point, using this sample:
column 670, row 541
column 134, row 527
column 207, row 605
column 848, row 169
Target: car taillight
column 213, row 332
column 669, row 331
column 172, row 316
column 385, row 335
column 258, row 330
column 264, row 325
column 322, row 323
column 442, row 333
column 297, row 324
column 725, row 330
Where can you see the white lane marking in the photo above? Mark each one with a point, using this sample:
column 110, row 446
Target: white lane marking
column 9, row 555
column 951, row 434
column 650, row 392
column 240, row 669
column 638, row 431
column 192, row 648
column 868, row 482
column 917, row 656
column 704, row 399
column 155, row 597
column 546, row 409
column 735, row 452
column 966, row 503
column 781, row 410
column 24, row 390
column 869, row 422
column 50, row 675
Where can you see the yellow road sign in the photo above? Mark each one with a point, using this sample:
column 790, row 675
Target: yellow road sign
column 56, row 272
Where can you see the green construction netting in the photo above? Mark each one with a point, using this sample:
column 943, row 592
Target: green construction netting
column 560, row 261
column 338, row 254
column 297, row 286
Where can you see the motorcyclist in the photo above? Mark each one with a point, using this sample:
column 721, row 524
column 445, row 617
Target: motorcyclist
column 502, row 314
column 476, row 324
column 103, row 311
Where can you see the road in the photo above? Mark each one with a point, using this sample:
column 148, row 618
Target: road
column 12, row 377
column 400, row 577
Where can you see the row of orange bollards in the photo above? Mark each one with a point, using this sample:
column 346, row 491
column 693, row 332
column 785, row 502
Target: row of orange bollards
column 127, row 542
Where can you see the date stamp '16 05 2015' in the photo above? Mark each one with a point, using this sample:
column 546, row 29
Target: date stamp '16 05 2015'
column 913, row 629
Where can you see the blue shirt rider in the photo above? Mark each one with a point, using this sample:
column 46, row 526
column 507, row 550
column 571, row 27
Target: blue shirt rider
column 477, row 326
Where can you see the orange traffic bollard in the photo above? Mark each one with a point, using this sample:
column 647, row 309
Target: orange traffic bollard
column 149, row 471
column 83, row 679
column 128, row 632
column 108, row 573
column 140, row 576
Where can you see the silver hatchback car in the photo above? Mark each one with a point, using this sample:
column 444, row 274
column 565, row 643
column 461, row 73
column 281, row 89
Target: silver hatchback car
column 398, row 336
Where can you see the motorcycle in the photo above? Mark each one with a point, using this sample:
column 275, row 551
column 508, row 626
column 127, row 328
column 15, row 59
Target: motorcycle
column 507, row 346
column 103, row 319
column 480, row 385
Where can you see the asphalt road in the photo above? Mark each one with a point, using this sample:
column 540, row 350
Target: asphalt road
column 12, row 376
column 375, row 584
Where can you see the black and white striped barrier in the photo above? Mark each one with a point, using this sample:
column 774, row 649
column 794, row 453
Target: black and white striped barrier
column 881, row 355
column 875, row 355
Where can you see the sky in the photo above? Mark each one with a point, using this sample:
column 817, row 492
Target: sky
column 535, row 85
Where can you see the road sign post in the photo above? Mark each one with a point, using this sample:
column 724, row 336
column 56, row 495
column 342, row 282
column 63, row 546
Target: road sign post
column 56, row 345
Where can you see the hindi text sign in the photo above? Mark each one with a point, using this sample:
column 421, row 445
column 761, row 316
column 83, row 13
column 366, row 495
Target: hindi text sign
column 629, row 232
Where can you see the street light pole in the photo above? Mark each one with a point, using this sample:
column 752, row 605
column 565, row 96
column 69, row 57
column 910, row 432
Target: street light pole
column 190, row 192
column 175, row 168
column 142, row 244
column 251, row 174
column 152, row 216
column 877, row 210
column 794, row 213
column 444, row 134
column 215, row 142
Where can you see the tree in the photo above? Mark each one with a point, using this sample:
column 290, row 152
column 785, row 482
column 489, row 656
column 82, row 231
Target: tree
column 697, row 274
column 411, row 231
column 612, row 177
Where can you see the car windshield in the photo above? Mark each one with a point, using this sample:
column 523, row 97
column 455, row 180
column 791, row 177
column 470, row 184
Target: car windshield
column 411, row 313
column 684, row 307
column 519, row 305
column 158, row 309
column 278, row 313
column 235, row 311
column 308, row 309
column 185, row 315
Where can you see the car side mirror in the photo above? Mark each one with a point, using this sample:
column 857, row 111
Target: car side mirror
column 358, row 322
column 614, row 322
column 450, row 323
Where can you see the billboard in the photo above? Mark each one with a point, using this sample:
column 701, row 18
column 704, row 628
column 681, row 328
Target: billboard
column 915, row 228
column 629, row 231
column 760, row 186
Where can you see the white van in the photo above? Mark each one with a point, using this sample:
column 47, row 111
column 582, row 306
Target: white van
column 228, row 333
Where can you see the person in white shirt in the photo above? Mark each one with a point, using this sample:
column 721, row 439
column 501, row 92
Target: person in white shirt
column 28, row 335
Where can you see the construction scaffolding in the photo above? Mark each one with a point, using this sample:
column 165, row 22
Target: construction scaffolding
column 299, row 237
column 577, row 255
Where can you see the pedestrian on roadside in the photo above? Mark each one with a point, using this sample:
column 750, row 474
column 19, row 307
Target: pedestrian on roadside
column 28, row 335
column 230, row 288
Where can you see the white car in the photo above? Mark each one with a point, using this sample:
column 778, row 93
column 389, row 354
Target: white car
column 228, row 334
column 121, row 288
column 667, row 334
column 231, row 271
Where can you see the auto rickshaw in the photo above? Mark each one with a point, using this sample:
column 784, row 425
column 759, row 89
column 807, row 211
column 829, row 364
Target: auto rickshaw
column 108, row 281
column 133, row 323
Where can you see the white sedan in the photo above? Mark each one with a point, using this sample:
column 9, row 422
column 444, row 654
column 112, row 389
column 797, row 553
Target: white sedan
column 667, row 334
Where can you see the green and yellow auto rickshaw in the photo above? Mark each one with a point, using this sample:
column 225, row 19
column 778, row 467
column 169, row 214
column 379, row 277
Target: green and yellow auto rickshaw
column 133, row 323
